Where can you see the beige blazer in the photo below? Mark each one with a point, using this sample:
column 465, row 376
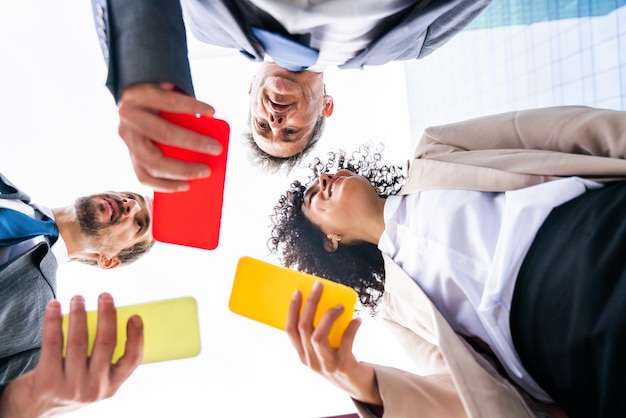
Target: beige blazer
column 493, row 153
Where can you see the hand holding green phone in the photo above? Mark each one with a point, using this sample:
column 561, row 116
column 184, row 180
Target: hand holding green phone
column 171, row 329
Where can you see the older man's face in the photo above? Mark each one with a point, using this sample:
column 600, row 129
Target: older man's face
column 284, row 108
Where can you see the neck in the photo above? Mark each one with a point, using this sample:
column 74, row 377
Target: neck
column 372, row 225
column 69, row 229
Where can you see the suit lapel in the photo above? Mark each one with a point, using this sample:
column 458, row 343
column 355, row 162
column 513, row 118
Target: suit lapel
column 427, row 174
column 9, row 191
column 483, row 392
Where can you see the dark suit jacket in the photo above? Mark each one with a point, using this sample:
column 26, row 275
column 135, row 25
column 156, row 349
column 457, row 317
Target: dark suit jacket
column 27, row 283
column 144, row 40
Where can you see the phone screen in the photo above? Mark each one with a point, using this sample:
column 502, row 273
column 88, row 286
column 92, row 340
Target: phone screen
column 193, row 217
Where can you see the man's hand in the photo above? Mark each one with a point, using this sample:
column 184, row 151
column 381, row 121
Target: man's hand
column 61, row 384
column 140, row 127
column 337, row 365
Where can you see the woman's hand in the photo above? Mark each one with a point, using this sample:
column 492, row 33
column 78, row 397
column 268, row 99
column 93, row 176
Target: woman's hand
column 337, row 365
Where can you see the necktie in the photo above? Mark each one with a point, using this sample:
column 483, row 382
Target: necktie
column 16, row 227
column 286, row 53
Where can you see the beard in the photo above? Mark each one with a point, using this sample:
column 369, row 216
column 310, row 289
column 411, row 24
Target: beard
column 86, row 213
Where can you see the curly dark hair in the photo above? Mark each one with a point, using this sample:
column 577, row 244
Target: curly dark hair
column 271, row 164
column 298, row 243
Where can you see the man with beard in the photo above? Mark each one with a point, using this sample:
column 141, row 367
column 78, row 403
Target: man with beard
column 108, row 230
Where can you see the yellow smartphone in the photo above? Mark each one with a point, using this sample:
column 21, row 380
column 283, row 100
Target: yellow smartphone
column 263, row 292
column 171, row 329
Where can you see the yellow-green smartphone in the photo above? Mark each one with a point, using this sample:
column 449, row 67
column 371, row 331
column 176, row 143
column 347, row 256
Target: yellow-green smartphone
column 171, row 329
column 263, row 292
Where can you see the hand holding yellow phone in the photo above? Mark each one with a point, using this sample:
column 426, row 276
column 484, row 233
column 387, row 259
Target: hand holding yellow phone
column 263, row 292
column 171, row 329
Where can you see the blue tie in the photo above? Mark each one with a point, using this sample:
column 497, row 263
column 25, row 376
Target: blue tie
column 286, row 53
column 16, row 227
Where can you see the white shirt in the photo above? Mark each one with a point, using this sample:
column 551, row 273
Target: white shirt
column 338, row 39
column 59, row 249
column 465, row 248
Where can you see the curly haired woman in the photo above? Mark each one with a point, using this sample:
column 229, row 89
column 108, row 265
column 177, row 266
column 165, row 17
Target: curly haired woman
column 499, row 267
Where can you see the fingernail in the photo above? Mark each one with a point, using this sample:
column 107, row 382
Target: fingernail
column 182, row 188
column 204, row 173
column 317, row 286
column 54, row 305
column 338, row 308
column 135, row 321
column 77, row 301
column 105, row 297
column 295, row 295
column 215, row 149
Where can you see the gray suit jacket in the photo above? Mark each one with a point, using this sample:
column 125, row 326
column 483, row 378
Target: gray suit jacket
column 27, row 284
column 144, row 40
column 492, row 153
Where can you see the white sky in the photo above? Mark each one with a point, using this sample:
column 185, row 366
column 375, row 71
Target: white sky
column 59, row 141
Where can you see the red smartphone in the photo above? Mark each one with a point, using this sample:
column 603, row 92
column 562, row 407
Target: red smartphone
column 193, row 217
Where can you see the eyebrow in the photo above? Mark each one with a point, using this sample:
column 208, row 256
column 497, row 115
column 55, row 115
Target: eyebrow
column 305, row 197
column 283, row 138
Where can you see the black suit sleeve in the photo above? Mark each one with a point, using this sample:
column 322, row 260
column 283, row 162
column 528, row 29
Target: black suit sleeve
column 142, row 41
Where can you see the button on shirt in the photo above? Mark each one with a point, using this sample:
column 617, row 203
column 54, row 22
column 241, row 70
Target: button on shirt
column 464, row 249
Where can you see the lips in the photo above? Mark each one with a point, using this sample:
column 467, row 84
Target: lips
column 113, row 209
column 278, row 107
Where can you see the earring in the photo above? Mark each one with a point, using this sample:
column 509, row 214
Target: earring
column 333, row 237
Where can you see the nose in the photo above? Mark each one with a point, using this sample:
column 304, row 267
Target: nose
column 276, row 119
column 324, row 181
column 130, row 206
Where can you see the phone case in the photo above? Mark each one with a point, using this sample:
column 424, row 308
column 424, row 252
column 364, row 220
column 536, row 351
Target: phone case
column 171, row 329
column 193, row 217
column 263, row 292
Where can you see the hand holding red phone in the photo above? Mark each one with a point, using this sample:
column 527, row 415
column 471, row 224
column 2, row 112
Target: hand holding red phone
column 141, row 128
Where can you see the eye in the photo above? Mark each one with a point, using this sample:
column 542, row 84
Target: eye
column 139, row 225
column 311, row 197
column 290, row 131
column 262, row 125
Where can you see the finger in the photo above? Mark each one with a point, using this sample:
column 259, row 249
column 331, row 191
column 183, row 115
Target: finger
column 291, row 327
column 51, row 356
column 159, row 172
column 347, row 340
column 163, row 96
column 154, row 127
column 133, row 353
column 310, row 308
column 106, row 336
column 319, row 339
column 147, row 155
column 306, row 325
column 140, row 105
column 77, row 341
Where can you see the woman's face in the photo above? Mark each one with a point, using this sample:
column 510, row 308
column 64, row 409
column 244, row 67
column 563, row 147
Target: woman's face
column 335, row 201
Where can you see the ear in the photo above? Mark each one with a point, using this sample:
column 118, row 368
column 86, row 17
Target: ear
column 107, row 263
column 330, row 245
column 329, row 105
